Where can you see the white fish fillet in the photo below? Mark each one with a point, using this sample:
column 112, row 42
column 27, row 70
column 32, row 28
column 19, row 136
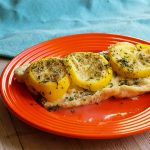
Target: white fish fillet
column 118, row 88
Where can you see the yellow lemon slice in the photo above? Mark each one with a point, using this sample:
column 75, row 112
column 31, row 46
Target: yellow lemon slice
column 88, row 70
column 130, row 60
column 47, row 77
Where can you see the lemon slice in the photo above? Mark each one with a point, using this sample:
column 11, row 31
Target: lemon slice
column 47, row 77
column 130, row 60
column 88, row 70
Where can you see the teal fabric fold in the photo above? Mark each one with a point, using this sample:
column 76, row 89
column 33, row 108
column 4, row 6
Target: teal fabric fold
column 24, row 23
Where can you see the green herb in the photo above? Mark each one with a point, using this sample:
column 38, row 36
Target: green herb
column 123, row 62
column 71, row 98
column 110, row 85
column 123, row 82
column 136, row 82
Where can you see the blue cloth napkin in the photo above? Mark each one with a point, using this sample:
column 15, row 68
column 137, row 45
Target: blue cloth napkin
column 24, row 23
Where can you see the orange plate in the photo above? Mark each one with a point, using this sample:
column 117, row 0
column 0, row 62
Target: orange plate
column 110, row 119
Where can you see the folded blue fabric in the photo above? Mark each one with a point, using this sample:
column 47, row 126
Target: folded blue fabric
column 24, row 23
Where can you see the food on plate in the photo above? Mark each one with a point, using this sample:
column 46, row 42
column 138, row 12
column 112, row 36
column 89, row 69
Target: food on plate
column 48, row 77
column 129, row 60
column 84, row 78
column 19, row 72
column 88, row 70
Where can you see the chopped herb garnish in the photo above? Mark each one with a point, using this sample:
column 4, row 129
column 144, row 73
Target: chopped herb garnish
column 110, row 85
column 71, row 98
column 123, row 82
